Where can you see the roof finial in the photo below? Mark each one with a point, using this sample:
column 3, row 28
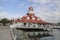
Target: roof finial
column 30, row 3
column 30, row 10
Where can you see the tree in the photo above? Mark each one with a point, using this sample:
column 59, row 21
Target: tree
column 4, row 21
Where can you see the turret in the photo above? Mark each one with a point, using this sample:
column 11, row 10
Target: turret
column 30, row 10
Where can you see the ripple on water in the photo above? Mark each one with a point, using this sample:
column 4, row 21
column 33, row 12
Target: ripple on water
column 56, row 35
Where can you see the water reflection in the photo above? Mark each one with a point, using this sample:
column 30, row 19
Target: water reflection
column 56, row 35
column 21, row 34
column 47, row 38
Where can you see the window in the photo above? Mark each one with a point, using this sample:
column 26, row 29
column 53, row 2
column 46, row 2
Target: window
column 38, row 19
column 24, row 24
column 28, row 18
column 33, row 18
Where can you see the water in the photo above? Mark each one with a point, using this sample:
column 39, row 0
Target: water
column 56, row 35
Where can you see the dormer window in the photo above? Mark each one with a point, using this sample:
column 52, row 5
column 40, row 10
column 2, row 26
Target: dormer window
column 28, row 18
column 25, row 15
column 38, row 19
column 33, row 18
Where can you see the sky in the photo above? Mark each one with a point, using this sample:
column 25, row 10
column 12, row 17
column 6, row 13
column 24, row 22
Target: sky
column 47, row 10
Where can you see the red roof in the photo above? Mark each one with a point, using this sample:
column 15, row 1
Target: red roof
column 30, row 19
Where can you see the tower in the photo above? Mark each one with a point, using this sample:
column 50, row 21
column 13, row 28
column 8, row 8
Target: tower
column 29, row 27
column 30, row 11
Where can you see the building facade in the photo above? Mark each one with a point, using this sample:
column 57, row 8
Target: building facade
column 30, row 27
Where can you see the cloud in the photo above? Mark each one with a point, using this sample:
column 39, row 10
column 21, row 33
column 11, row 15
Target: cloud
column 9, row 16
column 47, row 15
column 1, row 9
column 22, row 4
column 5, row 15
column 17, row 15
column 48, row 10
